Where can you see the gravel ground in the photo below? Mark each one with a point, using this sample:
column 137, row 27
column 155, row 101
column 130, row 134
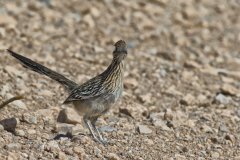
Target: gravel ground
column 182, row 79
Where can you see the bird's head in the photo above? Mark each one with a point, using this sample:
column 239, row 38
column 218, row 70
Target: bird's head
column 120, row 51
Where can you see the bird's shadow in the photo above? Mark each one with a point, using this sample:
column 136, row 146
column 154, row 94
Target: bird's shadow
column 68, row 135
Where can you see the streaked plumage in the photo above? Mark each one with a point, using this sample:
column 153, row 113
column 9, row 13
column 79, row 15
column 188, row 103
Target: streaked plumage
column 94, row 97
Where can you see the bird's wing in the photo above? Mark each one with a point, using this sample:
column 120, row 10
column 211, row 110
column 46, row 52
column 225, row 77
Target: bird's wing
column 89, row 89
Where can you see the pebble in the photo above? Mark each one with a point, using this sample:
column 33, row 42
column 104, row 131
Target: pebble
column 31, row 131
column 215, row 155
column 1, row 127
column 89, row 20
column 29, row 118
column 13, row 146
column 107, row 129
column 149, row 142
column 143, row 129
column 112, row 156
column 187, row 100
column 69, row 115
column 79, row 151
column 228, row 89
column 223, row 128
column 230, row 137
column 130, row 83
column 62, row 155
column 52, row 147
column 222, row 99
column 63, row 128
column 206, row 129
column 168, row 115
column 190, row 12
column 179, row 157
column 13, row 71
column 145, row 98
column 19, row 132
column 97, row 152
column 9, row 124
column 13, row 156
column 20, row 104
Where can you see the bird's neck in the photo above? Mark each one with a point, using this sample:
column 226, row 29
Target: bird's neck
column 114, row 72
column 116, row 66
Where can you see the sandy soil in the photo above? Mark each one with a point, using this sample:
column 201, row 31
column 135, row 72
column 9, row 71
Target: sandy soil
column 182, row 79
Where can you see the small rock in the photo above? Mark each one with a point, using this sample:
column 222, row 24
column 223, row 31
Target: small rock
column 78, row 129
column 5, row 89
column 173, row 91
column 31, row 119
column 238, row 113
column 62, row 155
column 98, row 49
column 145, row 98
column 229, row 90
column 19, row 104
column 168, row 115
column 143, row 129
column 202, row 100
column 149, row 142
column 1, row 127
column 188, row 100
column 63, row 128
column 12, row 156
column 107, row 129
column 125, row 111
column 80, row 152
column 180, row 157
column 7, row 20
column 47, row 115
column 192, row 64
column 82, row 139
column 9, row 124
column 13, row 71
column 191, row 123
column 46, row 93
column 112, row 156
column 97, row 152
column 230, row 138
column 206, row 129
column 52, row 147
column 95, row 12
column 160, row 123
column 130, row 83
column 215, row 155
column 20, row 132
column 189, row 13
column 223, row 128
column 13, row 146
column 89, row 20
column 69, row 115
column 155, row 116
column 31, row 131
column 222, row 99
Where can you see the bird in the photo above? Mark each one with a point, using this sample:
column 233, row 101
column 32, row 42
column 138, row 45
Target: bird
column 96, row 96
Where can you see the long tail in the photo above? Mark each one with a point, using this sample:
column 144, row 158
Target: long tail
column 28, row 63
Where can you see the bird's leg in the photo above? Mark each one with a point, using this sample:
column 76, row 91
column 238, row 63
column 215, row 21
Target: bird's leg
column 97, row 130
column 89, row 125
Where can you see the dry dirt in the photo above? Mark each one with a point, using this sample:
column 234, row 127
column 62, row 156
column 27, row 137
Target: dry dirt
column 182, row 79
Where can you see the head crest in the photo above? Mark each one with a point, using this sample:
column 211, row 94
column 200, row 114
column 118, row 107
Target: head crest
column 120, row 45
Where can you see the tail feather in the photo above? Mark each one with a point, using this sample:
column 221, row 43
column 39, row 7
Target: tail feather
column 28, row 63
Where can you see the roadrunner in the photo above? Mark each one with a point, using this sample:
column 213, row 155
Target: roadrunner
column 94, row 97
